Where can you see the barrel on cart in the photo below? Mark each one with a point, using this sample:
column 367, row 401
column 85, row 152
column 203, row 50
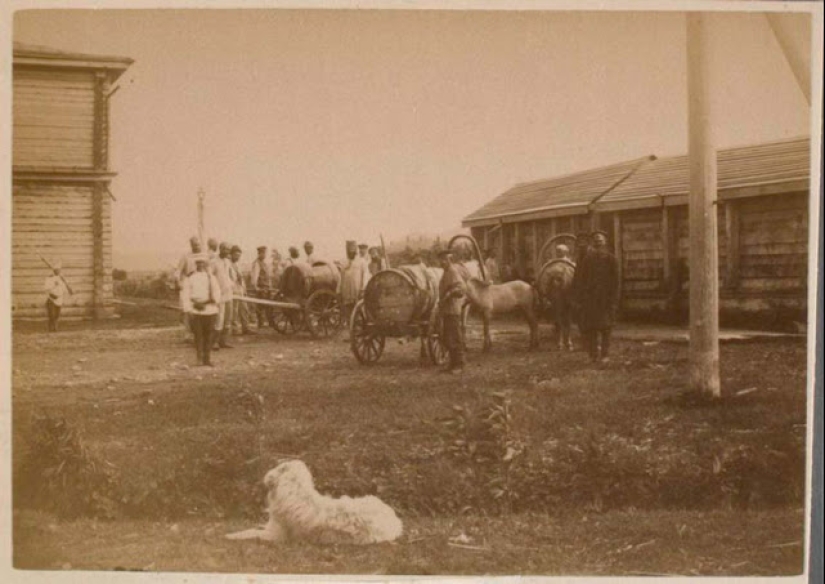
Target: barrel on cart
column 398, row 302
column 310, row 300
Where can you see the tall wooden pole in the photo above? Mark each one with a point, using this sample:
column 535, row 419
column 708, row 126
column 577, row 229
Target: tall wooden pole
column 201, row 233
column 704, row 256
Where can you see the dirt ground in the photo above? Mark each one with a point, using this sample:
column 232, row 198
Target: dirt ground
column 621, row 473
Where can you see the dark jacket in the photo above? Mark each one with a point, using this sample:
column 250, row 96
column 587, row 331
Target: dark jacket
column 597, row 290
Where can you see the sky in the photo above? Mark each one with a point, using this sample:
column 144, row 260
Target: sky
column 332, row 125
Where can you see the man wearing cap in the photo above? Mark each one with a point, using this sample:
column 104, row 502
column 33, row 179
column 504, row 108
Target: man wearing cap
column 354, row 277
column 186, row 267
column 363, row 252
column 451, row 301
column 309, row 249
column 201, row 297
column 377, row 261
column 241, row 320
column 220, row 265
column 294, row 256
column 212, row 248
column 56, row 289
column 598, row 296
column 563, row 252
column 261, row 285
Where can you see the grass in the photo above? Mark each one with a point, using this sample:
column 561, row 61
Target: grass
column 614, row 456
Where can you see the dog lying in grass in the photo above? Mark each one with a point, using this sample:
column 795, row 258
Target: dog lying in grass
column 298, row 512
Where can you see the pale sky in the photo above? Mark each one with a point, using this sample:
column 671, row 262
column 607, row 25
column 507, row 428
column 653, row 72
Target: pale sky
column 332, row 125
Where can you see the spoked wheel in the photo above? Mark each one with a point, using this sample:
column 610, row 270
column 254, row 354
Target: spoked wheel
column 435, row 339
column 367, row 346
column 288, row 322
column 323, row 313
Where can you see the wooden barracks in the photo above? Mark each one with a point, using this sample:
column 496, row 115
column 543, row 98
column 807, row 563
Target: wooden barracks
column 61, row 202
column 642, row 205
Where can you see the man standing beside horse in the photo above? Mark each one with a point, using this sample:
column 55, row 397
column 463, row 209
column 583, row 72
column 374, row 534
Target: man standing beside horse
column 597, row 296
column 451, row 301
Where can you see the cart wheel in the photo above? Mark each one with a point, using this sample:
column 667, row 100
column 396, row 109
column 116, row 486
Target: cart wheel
column 435, row 345
column 323, row 313
column 366, row 346
column 288, row 322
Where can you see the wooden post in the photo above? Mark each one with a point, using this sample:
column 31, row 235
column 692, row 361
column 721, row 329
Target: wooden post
column 517, row 249
column 732, row 235
column 617, row 249
column 101, row 161
column 501, row 259
column 535, row 234
column 201, row 233
column 486, row 238
column 667, row 249
column 704, row 257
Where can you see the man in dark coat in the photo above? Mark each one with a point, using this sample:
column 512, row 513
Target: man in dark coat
column 451, row 300
column 597, row 280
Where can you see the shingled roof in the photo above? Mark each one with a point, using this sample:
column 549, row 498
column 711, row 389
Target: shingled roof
column 646, row 182
column 38, row 55
column 746, row 170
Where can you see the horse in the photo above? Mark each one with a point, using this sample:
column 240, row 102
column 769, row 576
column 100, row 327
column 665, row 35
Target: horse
column 489, row 299
column 555, row 284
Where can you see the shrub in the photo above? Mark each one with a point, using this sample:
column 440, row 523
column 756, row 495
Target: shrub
column 58, row 473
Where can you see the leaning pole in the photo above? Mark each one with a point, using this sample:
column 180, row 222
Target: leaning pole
column 704, row 256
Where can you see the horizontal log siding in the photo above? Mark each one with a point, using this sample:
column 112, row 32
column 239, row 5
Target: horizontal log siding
column 682, row 229
column 642, row 252
column 53, row 118
column 773, row 234
column 55, row 221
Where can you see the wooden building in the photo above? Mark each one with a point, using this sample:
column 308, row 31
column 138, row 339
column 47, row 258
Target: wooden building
column 61, row 201
column 642, row 205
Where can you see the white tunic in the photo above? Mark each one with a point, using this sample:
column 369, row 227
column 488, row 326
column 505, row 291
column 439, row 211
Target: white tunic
column 56, row 288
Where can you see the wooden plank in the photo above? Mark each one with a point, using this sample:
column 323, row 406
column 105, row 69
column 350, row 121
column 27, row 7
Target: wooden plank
column 618, row 250
column 774, row 271
column 785, row 236
column 732, row 246
column 772, row 284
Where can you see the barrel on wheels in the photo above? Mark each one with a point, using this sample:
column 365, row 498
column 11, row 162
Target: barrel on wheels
column 397, row 302
column 314, row 287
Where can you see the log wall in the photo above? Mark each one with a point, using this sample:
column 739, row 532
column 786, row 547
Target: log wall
column 61, row 208
column 54, row 118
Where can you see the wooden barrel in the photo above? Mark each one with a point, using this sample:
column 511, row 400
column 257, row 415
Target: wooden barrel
column 403, row 295
column 300, row 280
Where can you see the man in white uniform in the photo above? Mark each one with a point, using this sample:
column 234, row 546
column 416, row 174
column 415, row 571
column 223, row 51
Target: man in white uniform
column 221, row 265
column 201, row 296
column 186, row 267
column 56, row 289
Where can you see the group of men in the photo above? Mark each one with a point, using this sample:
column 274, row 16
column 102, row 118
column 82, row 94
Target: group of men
column 212, row 286
column 594, row 296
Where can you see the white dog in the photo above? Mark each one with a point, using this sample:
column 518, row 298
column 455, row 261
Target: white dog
column 297, row 511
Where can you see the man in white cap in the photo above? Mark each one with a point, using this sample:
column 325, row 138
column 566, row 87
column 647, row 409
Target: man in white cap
column 201, row 299
column 56, row 289
column 186, row 267
column 262, row 285
column 221, row 266
column 354, row 276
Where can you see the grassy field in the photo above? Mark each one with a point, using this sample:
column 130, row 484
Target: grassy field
column 126, row 456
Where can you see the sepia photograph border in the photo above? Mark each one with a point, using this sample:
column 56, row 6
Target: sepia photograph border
column 815, row 269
